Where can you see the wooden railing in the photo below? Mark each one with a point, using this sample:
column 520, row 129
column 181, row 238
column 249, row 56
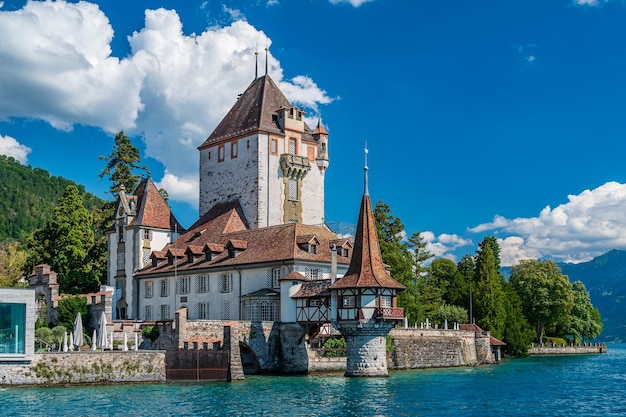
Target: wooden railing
column 390, row 313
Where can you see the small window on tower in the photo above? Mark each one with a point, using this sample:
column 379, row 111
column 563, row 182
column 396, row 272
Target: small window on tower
column 293, row 189
column 234, row 149
column 209, row 154
column 292, row 146
column 274, row 147
column 220, row 153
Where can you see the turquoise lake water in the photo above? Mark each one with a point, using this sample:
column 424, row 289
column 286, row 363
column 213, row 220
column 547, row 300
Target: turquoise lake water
column 585, row 385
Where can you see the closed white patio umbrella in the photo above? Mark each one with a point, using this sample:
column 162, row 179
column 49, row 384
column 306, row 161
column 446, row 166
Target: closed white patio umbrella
column 78, row 331
column 103, row 338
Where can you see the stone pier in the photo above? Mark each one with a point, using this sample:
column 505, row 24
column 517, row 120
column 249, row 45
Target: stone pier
column 366, row 348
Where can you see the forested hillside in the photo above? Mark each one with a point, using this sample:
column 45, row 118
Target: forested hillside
column 29, row 196
column 605, row 279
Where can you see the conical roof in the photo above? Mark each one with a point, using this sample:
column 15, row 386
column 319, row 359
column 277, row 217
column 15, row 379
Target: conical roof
column 366, row 266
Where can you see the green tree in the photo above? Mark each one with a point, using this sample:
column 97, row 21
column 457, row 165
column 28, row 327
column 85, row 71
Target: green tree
column 68, row 308
column 12, row 262
column 518, row 333
column 451, row 281
column 397, row 255
column 64, row 244
column 545, row 293
column 488, row 295
column 586, row 323
column 467, row 268
column 453, row 314
column 122, row 163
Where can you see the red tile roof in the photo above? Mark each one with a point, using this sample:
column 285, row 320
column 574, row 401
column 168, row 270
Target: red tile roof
column 152, row 210
column 267, row 244
column 366, row 267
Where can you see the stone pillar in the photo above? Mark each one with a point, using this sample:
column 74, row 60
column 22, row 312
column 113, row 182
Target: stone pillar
column 366, row 345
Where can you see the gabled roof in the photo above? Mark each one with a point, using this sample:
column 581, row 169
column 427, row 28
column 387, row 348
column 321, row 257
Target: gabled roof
column 366, row 268
column 255, row 110
column 151, row 209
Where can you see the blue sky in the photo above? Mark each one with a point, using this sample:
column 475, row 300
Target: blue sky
column 501, row 118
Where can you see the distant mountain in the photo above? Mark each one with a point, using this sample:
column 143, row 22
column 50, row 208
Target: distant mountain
column 605, row 279
column 29, row 196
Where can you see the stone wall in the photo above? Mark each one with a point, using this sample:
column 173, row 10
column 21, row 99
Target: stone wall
column 86, row 367
column 415, row 348
column 567, row 350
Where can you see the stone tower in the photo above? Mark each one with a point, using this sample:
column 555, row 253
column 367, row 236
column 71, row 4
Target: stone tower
column 143, row 223
column 264, row 155
column 365, row 300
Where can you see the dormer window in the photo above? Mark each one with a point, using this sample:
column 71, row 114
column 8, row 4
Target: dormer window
column 345, row 252
column 313, row 248
column 190, row 258
column 235, row 247
column 170, row 259
column 155, row 262
column 208, row 255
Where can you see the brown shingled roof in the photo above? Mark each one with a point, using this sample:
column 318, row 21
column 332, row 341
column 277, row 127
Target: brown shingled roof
column 255, row 110
column 267, row 244
column 366, row 266
column 152, row 210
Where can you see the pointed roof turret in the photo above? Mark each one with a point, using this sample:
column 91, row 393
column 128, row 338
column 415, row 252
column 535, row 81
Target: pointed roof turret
column 151, row 208
column 366, row 266
column 320, row 129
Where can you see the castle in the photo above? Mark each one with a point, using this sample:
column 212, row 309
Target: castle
column 260, row 256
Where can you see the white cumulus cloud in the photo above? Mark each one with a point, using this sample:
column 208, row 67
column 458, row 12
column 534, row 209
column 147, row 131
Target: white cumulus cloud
column 171, row 90
column 445, row 244
column 587, row 225
column 11, row 147
column 355, row 3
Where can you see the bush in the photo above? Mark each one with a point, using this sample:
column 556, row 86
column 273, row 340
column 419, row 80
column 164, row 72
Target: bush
column 150, row 332
column 336, row 346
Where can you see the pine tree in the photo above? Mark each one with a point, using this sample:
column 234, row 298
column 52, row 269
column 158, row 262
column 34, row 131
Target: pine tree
column 122, row 164
column 488, row 295
column 65, row 242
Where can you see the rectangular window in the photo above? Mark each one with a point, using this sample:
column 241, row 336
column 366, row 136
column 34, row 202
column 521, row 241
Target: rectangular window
column 234, row 149
column 202, row 283
column 293, row 189
column 13, row 328
column 313, row 249
column 226, row 282
column 385, row 301
column 147, row 234
column 120, row 233
column 147, row 289
column 292, row 146
column 146, row 257
column 274, row 147
column 165, row 288
column 165, row 312
column 203, row 311
column 147, row 314
column 225, row 310
column 120, row 261
column 182, row 285
column 349, row 301
column 265, row 310
column 312, row 273
column 277, row 274
column 209, row 153
column 220, row 153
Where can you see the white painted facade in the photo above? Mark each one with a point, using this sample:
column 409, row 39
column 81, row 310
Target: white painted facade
column 251, row 172
column 208, row 298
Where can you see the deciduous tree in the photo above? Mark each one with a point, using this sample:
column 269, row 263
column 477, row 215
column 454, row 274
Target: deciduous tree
column 586, row 323
column 545, row 293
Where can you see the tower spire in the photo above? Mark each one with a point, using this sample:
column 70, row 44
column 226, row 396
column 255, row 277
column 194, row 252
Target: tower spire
column 256, row 62
column 365, row 188
column 266, row 56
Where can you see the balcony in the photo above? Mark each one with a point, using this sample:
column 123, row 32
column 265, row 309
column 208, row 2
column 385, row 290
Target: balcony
column 389, row 313
column 294, row 166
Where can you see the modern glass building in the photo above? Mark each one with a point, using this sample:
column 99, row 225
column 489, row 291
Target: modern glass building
column 17, row 324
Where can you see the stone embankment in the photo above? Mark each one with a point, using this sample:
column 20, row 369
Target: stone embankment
column 86, row 367
column 545, row 349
